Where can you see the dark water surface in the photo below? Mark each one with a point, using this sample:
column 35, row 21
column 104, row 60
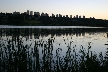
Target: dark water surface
column 31, row 48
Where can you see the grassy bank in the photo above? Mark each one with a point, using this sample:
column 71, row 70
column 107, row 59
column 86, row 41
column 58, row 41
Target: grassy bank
column 32, row 22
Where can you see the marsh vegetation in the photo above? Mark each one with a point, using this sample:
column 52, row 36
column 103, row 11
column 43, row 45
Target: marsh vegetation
column 18, row 53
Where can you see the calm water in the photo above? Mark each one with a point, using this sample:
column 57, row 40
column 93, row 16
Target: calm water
column 54, row 38
column 61, row 36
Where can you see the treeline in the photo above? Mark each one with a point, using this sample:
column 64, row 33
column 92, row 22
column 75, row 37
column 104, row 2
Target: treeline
column 35, row 20
column 73, row 21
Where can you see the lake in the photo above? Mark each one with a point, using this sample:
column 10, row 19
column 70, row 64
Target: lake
column 50, row 42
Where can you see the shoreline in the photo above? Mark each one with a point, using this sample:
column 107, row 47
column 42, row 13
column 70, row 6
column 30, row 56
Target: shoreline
column 16, row 26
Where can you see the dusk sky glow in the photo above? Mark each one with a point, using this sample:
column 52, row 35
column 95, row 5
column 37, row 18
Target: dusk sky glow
column 89, row 8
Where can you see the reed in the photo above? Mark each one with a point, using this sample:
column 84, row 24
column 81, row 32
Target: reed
column 15, row 56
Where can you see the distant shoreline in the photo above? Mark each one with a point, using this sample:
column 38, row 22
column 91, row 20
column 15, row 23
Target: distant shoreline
column 26, row 20
column 13, row 26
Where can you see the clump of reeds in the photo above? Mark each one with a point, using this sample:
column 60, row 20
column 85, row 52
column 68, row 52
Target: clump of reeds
column 17, row 57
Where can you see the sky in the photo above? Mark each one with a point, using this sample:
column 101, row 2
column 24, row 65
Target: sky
column 89, row 8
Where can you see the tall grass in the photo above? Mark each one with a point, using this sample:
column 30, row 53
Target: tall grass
column 17, row 57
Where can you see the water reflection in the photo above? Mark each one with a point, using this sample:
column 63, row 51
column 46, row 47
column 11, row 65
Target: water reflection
column 46, row 50
column 46, row 32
